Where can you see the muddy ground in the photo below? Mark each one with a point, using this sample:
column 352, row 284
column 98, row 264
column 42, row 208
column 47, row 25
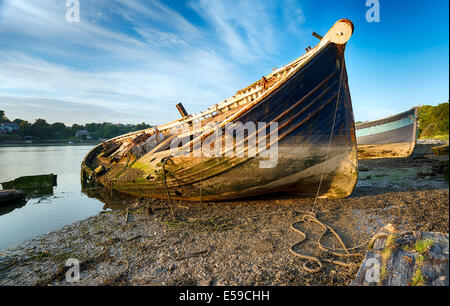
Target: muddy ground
column 239, row 242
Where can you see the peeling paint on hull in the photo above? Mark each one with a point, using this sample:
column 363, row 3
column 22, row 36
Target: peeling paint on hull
column 305, row 98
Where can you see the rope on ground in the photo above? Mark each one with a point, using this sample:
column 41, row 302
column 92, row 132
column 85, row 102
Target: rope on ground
column 310, row 216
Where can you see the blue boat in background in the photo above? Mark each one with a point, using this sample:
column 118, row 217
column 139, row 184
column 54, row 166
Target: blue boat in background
column 394, row 136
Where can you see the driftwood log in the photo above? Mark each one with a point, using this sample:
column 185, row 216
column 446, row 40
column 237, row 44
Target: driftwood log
column 405, row 259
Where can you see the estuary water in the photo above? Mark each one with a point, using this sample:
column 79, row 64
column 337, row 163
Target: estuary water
column 46, row 213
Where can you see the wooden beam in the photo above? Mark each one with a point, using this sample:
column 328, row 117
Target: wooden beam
column 182, row 110
column 319, row 37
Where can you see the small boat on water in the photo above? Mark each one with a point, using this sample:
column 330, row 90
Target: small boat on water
column 11, row 196
column 33, row 185
column 297, row 135
column 31, row 181
column 393, row 136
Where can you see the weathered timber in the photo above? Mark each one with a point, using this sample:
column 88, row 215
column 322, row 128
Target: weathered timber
column 33, row 181
column 34, row 185
column 412, row 258
column 11, row 196
column 182, row 110
column 315, row 139
column 319, row 37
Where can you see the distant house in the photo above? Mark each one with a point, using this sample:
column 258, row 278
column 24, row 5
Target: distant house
column 82, row 134
column 8, row 127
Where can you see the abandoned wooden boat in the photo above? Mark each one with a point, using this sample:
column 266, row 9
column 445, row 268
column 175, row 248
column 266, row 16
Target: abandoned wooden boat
column 10, row 196
column 33, row 185
column 303, row 116
column 394, row 136
column 31, row 181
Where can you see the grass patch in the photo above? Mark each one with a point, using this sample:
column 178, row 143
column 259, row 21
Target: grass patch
column 422, row 246
column 440, row 137
column 390, row 246
column 417, row 279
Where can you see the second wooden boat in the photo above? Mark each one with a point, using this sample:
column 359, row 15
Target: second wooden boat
column 393, row 136
column 303, row 112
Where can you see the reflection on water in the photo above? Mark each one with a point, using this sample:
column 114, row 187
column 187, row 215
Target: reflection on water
column 38, row 192
column 112, row 200
column 49, row 209
column 6, row 209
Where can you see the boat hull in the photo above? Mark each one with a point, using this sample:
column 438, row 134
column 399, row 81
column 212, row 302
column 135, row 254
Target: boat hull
column 394, row 136
column 34, row 185
column 316, row 147
column 11, row 196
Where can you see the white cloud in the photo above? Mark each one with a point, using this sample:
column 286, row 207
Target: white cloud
column 293, row 16
column 153, row 60
column 246, row 27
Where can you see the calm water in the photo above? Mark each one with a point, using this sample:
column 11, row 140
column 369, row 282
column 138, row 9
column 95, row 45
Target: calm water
column 41, row 215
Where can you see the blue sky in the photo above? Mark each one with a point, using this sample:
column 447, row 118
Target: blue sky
column 131, row 61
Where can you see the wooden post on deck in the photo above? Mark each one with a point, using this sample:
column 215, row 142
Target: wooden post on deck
column 319, row 37
column 182, row 110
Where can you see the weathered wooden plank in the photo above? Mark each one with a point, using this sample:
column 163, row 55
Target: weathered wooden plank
column 311, row 102
column 405, row 259
column 10, row 196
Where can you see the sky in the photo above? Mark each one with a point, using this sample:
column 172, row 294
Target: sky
column 132, row 61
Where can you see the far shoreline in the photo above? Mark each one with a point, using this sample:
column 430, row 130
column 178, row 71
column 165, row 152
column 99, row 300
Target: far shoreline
column 48, row 144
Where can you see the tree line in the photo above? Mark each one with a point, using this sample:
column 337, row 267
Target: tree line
column 41, row 129
column 433, row 120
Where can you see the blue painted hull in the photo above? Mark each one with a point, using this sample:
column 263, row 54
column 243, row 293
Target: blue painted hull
column 396, row 135
column 316, row 146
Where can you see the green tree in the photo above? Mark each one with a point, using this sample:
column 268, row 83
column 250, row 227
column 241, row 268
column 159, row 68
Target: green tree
column 433, row 120
column 3, row 118
column 111, row 131
column 141, row 126
column 25, row 128
column 58, row 130
column 41, row 129
column 18, row 121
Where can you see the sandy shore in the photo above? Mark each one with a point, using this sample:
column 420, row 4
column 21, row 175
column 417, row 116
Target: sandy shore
column 238, row 242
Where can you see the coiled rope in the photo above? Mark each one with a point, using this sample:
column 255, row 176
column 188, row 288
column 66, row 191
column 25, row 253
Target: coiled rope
column 310, row 216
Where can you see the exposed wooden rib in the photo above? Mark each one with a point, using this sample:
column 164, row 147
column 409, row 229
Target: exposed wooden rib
column 256, row 146
column 181, row 109
column 161, row 144
column 319, row 37
column 281, row 96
